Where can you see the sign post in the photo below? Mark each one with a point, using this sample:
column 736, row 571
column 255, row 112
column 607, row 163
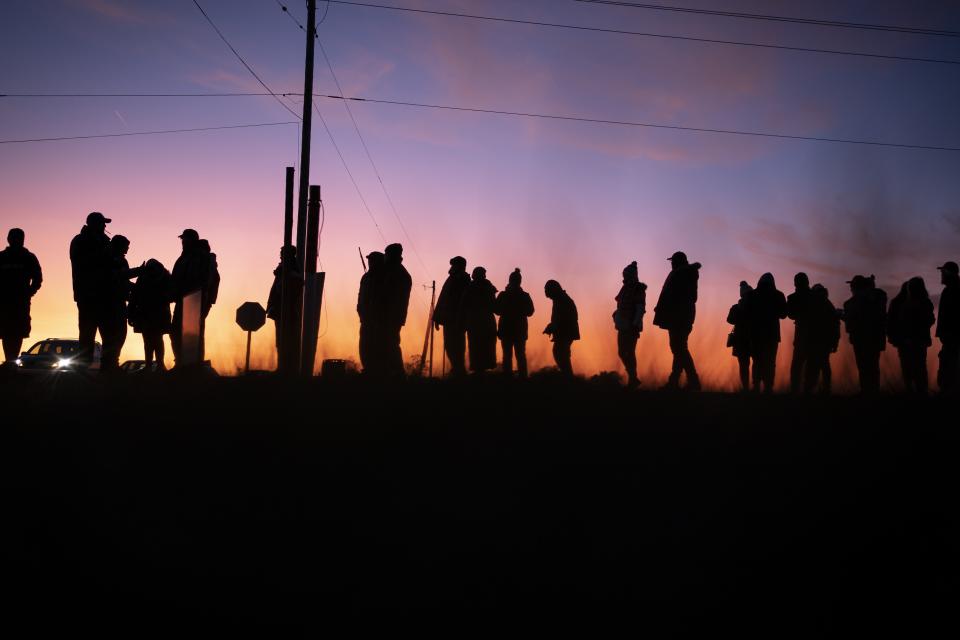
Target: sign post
column 250, row 316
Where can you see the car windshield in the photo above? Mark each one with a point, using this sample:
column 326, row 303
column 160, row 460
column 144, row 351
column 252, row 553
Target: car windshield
column 58, row 348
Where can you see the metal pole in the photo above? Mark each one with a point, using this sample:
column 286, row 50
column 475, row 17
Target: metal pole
column 305, row 141
column 433, row 298
column 246, row 369
column 285, row 335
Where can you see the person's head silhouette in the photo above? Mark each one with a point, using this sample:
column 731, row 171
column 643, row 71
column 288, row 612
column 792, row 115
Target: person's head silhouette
column 552, row 289
column 458, row 264
column 630, row 274
column 97, row 221
column 394, row 253
column 678, row 259
column 515, row 278
column 949, row 272
column 119, row 245
column 479, row 273
column 15, row 238
column 801, row 282
column 745, row 289
column 189, row 238
column 375, row 260
column 767, row 282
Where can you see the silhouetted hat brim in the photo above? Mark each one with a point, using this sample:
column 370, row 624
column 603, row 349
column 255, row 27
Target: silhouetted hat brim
column 98, row 216
column 950, row 267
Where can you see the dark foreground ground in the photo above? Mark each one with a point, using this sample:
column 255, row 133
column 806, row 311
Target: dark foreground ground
column 189, row 508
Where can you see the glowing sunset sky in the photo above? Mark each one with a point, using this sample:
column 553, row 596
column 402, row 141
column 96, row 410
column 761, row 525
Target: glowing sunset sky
column 564, row 200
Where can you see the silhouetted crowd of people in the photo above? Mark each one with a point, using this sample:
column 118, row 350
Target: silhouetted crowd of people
column 473, row 313
column 110, row 294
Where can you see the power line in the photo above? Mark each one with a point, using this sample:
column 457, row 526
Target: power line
column 149, row 133
column 373, row 164
column 530, row 114
column 628, row 123
column 141, row 95
column 244, row 62
column 647, row 34
column 289, row 15
column 774, row 18
column 343, row 161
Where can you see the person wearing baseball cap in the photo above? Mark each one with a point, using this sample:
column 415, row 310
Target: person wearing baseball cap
column 446, row 314
column 90, row 262
column 948, row 328
column 190, row 274
column 676, row 311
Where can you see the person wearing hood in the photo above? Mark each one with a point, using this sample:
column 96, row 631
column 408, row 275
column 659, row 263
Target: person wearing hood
column 628, row 320
column 909, row 320
column 767, row 308
column 149, row 310
column 370, row 309
column 798, row 310
column 514, row 306
column 20, row 279
column 477, row 317
column 90, row 264
column 823, row 337
column 446, row 314
column 865, row 317
column 564, row 327
column 739, row 338
column 948, row 328
column 676, row 311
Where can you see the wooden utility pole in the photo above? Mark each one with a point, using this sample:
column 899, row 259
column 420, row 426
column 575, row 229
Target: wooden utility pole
column 305, row 142
column 313, row 287
column 428, row 336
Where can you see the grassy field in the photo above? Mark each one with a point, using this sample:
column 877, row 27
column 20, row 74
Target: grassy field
column 213, row 505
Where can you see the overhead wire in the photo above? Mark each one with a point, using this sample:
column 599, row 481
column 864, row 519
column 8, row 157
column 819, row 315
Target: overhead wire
column 531, row 114
column 775, row 18
column 149, row 133
column 648, row 34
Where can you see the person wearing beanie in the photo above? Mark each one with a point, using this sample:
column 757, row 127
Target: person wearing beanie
column 514, row 306
column 628, row 320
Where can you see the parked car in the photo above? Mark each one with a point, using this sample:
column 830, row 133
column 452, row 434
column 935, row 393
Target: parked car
column 58, row 354
column 139, row 366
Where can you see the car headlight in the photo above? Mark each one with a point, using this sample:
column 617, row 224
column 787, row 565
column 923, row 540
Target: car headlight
column 62, row 363
column 18, row 362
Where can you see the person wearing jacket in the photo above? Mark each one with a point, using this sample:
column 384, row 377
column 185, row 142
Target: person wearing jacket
column 564, row 327
column 865, row 317
column 191, row 274
column 90, row 264
column 798, row 310
column 446, row 314
column 909, row 320
column 514, row 306
column 676, row 311
column 739, row 338
column 628, row 320
column 287, row 353
column 948, row 329
column 20, row 279
column 149, row 310
column 477, row 317
column 767, row 308
column 823, row 339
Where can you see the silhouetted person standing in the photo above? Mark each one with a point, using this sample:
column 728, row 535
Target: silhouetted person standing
column 514, row 306
column 190, row 275
column 628, row 320
column 739, row 338
column 948, row 328
column 865, row 316
column 564, row 325
column 798, row 310
column 397, row 285
column 149, row 310
column 287, row 353
column 476, row 311
column 20, row 279
column 370, row 301
column 91, row 264
column 823, row 338
column 114, row 330
column 909, row 320
column 446, row 314
column 211, row 291
column 767, row 307
column 676, row 311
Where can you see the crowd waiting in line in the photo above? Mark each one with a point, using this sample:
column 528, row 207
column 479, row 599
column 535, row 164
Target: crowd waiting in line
column 468, row 308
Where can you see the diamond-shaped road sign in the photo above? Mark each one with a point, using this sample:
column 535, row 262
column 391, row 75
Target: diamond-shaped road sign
column 251, row 316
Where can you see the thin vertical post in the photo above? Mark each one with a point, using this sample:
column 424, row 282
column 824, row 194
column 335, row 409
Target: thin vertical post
column 285, row 335
column 433, row 299
column 246, row 368
column 313, row 287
